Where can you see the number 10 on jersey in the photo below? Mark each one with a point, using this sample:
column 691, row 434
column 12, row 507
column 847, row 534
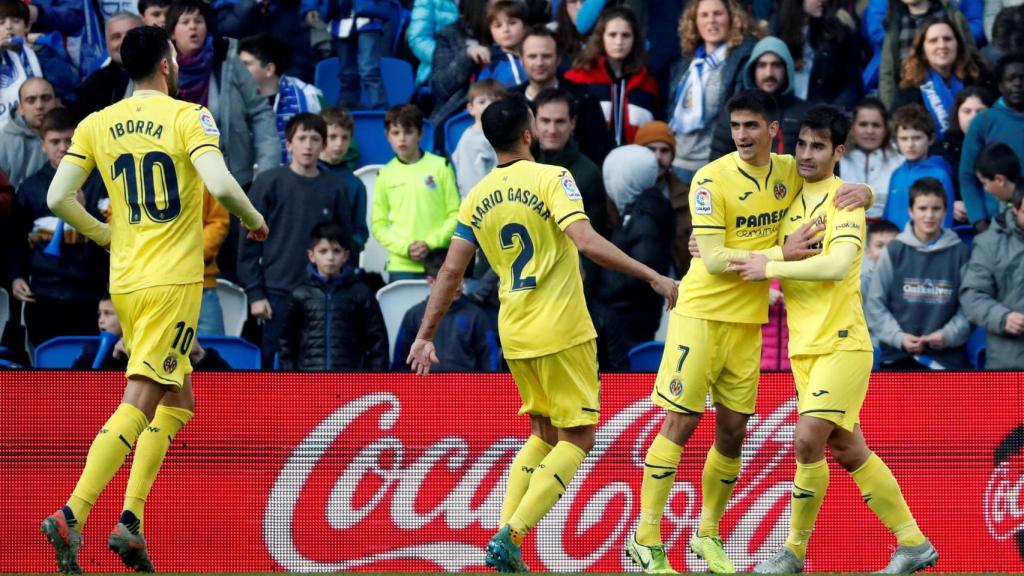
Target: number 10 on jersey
column 144, row 197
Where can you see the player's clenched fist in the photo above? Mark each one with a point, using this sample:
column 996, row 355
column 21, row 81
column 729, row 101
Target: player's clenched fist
column 260, row 234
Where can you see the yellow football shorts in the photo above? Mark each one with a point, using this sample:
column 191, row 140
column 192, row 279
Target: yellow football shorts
column 703, row 356
column 563, row 386
column 159, row 326
column 833, row 386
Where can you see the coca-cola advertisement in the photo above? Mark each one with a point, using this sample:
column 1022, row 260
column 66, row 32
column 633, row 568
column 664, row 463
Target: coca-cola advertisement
column 393, row 472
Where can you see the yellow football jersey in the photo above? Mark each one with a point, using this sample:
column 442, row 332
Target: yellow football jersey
column 824, row 317
column 143, row 147
column 517, row 215
column 746, row 203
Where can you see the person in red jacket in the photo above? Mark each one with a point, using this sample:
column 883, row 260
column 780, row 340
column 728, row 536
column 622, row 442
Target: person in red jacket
column 612, row 69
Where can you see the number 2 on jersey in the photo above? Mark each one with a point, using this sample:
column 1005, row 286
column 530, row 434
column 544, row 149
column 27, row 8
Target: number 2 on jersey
column 145, row 197
column 508, row 233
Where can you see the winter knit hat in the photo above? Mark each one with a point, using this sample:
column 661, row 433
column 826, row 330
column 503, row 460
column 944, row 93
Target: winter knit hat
column 656, row 131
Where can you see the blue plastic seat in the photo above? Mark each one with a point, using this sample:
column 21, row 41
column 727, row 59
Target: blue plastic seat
column 976, row 344
column 397, row 74
column 373, row 143
column 238, row 352
column 646, row 357
column 966, row 233
column 453, row 130
column 60, row 352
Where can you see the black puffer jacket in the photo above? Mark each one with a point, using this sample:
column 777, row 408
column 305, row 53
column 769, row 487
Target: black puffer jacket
column 334, row 324
column 646, row 235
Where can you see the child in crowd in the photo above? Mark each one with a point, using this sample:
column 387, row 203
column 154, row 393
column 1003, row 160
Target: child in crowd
column 115, row 357
column 915, row 133
column 293, row 199
column 336, row 159
column 880, row 233
column 506, row 20
column 154, row 12
column 23, row 56
column 266, row 58
column 466, row 340
column 415, row 202
column 474, row 157
column 913, row 305
column 334, row 321
column 999, row 170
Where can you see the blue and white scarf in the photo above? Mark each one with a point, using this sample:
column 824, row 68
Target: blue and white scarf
column 938, row 98
column 88, row 50
column 293, row 96
column 16, row 66
column 689, row 110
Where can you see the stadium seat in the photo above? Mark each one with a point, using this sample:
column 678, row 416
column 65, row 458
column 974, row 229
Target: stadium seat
column 399, row 81
column 373, row 144
column 235, row 306
column 395, row 300
column 966, row 233
column 239, row 353
column 374, row 257
column 662, row 334
column 646, row 357
column 976, row 343
column 5, row 309
column 453, row 130
column 60, row 352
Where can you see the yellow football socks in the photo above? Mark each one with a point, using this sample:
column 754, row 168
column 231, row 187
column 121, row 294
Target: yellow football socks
column 106, row 455
column 717, row 481
column 882, row 493
column 659, row 475
column 549, row 482
column 149, row 455
column 809, row 486
column 520, row 473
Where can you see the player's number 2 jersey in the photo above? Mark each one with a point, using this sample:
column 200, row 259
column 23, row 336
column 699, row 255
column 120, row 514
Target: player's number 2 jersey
column 143, row 147
column 517, row 215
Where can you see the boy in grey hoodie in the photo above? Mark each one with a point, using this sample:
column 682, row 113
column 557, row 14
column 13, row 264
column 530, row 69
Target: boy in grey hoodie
column 913, row 308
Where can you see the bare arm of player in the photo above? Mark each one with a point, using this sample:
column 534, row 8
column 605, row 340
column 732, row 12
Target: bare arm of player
column 61, row 199
column 851, row 196
column 600, row 250
column 833, row 266
column 225, row 189
column 422, row 354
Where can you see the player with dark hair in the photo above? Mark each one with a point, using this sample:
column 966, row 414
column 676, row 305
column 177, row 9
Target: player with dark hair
column 831, row 354
column 529, row 221
column 156, row 153
column 737, row 203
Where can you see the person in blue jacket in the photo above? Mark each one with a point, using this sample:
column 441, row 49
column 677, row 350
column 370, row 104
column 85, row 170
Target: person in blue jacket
column 915, row 132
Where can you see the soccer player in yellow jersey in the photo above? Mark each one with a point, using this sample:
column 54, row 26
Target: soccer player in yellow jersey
column 831, row 355
column 155, row 154
column 528, row 219
column 737, row 203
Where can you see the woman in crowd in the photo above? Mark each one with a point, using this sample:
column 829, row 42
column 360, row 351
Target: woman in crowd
column 612, row 70
column 871, row 157
column 210, row 74
column 937, row 68
column 428, row 18
column 461, row 49
column 715, row 45
column 969, row 102
column 822, row 41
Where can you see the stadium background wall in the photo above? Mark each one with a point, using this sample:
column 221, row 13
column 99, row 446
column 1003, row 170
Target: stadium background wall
column 327, row 472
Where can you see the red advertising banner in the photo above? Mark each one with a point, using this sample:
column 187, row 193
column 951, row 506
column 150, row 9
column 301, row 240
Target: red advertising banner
column 331, row 472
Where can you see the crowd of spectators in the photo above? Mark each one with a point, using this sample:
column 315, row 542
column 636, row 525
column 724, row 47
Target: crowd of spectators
column 628, row 97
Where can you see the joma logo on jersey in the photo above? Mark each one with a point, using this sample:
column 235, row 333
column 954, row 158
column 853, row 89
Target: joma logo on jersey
column 762, row 219
column 141, row 127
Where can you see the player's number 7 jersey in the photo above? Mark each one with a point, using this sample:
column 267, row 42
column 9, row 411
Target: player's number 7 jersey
column 144, row 147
